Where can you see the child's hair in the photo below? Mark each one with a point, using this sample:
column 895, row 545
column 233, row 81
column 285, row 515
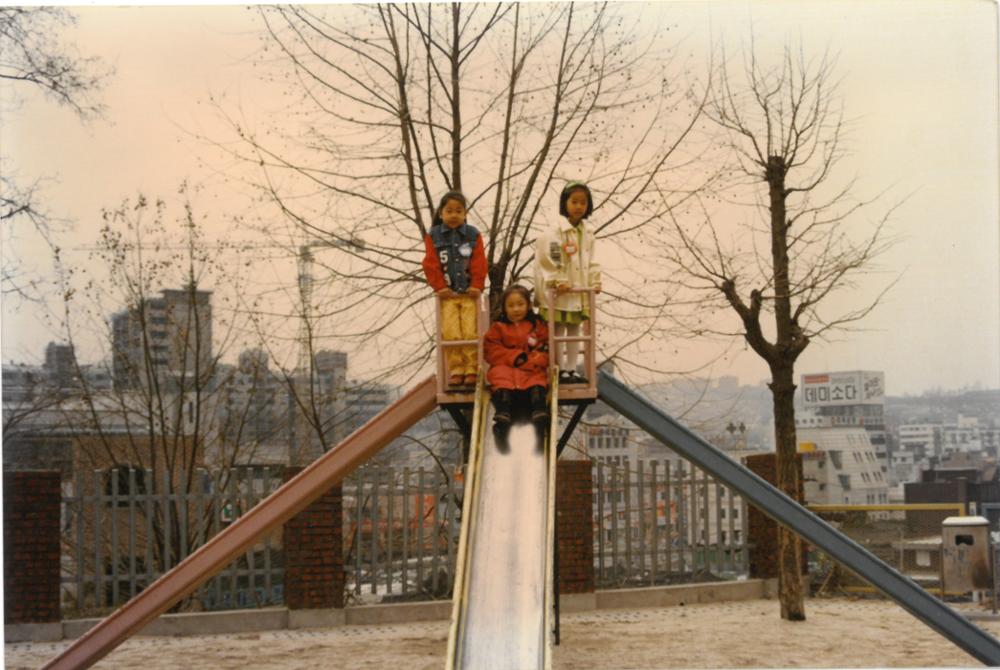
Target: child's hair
column 450, row 195
column 567, row 190
column 525, row 293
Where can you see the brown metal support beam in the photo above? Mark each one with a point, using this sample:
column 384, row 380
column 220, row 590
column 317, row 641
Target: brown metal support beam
column 276, row 509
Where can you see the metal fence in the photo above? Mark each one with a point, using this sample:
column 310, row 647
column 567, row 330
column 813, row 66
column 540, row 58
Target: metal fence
column 654, row 523
column 907, row 537
column 123, row 528
column 665, row 522
column 401, row 529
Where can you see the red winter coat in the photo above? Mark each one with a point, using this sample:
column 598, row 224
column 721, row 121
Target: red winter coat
column 504, row 343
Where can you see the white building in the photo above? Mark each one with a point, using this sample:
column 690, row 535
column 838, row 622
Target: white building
column 840, row 465
column 962, row 436
column 921, row 439
column 851, row 398
column 904, row 466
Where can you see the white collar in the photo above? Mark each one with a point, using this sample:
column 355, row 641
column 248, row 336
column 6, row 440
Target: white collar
column 565, row 226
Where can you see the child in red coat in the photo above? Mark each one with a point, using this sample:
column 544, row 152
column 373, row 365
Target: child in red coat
column 516, row 348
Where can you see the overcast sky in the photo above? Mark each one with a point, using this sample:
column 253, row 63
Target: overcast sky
column 919, row 82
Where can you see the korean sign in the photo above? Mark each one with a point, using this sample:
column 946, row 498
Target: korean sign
column 843, row 388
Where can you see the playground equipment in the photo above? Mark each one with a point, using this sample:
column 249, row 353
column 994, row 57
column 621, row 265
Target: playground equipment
column 449, row 397
column 294, row 496
column 504, row 599
column 588, row 338
column 521, row 630
column 807, row 525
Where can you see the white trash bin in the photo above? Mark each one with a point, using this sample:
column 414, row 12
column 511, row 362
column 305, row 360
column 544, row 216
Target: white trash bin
column 965, row 554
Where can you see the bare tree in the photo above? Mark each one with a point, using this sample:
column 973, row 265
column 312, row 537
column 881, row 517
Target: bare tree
column 167, row 406
column 798, row 246
column 35, row 58
column 388, row 106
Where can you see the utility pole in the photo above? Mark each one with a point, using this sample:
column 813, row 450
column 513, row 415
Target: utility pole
column 302, row 450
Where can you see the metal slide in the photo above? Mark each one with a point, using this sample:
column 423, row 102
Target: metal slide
column 294, row 496
column 810, row 527
column 503, row 598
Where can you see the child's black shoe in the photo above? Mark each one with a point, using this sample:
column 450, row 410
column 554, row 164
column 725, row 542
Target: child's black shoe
column 500, row 432
column 540, row 431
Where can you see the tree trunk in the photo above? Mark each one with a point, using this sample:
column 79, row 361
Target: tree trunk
column 789, row 545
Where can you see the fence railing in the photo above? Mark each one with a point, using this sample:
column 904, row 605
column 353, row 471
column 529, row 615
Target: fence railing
column 663, row 522
column 123, row 528
column 401, row 529
column 907, row 537
column 654, row 523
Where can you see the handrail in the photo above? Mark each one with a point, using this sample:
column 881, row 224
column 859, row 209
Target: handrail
column 470, row 497
column 551, row 600
column 589, row 338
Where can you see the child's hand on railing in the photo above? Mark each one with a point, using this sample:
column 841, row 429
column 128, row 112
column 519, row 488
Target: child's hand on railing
column 597, row 287
column 475, row 293
column 562, row 287
column 446, row 293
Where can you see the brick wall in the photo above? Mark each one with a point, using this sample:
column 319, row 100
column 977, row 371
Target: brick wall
column 575, row 526
column 31, row 501
column 763, row 532
column 313, row 541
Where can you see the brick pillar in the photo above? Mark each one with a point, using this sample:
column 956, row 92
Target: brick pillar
column 763, row 532
column 314, row 552
column 31, row 502
column 575, row 526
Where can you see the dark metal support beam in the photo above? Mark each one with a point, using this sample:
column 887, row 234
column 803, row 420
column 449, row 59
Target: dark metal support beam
column 458, row 414
column 570, row 427
column 810, row 527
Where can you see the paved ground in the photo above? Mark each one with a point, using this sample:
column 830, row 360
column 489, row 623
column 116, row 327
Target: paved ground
column 838, row 633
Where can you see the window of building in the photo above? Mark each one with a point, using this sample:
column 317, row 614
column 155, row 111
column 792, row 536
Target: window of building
column 123, row 480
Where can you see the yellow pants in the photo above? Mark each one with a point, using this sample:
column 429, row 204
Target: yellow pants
column 458, row 322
